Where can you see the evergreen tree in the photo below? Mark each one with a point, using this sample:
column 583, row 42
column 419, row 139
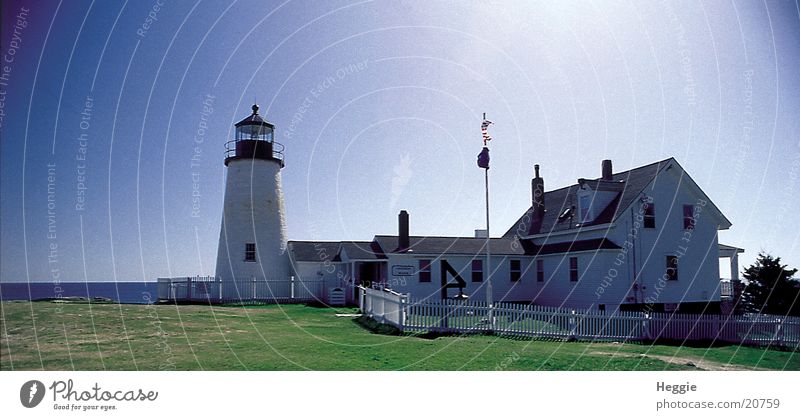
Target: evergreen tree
column 771, row 288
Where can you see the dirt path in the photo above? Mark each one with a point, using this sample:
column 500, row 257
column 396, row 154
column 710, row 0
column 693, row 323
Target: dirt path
column 697, row 362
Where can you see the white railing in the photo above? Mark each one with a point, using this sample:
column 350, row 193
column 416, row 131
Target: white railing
column 240, row 290
column 725, row 288
column 384, row 305
column 458, row 316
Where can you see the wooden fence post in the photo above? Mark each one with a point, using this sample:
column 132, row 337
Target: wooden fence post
column 572, row 326
column 404, row 311
column 383, row 306
column 400, row 310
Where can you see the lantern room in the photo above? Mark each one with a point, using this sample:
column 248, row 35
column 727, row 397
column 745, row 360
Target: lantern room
column 254, row 140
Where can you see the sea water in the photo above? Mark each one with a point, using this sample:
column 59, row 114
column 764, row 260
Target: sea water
column 122, row 292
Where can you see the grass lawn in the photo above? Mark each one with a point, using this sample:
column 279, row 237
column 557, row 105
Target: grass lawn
column 66, row 336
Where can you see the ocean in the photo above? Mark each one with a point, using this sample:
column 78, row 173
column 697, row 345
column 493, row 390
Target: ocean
column 122, row 292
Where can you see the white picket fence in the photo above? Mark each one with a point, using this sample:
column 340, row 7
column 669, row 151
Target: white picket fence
column 241, row 290
column 513, row 319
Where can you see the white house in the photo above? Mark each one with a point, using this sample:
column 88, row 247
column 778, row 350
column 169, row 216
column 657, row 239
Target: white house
column 645, row 238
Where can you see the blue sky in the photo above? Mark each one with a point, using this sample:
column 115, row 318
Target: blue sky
column 379, row 105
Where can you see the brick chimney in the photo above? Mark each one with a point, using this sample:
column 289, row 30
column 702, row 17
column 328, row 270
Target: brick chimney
column 607, row 170
column 402, row 228
column 537, row 201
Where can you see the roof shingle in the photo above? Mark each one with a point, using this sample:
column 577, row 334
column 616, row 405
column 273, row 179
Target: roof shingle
column 314, row 251
column 632, row 182
column 437, row 245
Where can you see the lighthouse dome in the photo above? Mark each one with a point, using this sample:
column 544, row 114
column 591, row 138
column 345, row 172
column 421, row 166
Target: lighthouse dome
column 254, row 119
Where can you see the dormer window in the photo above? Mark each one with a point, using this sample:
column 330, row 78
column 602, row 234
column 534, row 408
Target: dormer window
column 585, row 202
column 567, row 213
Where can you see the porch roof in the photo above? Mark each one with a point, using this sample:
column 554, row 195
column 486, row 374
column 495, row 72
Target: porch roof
column 313, row 251
column 728, row 250
column 360, row 250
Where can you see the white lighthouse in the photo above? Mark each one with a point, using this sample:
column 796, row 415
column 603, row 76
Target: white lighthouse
column 252, row 239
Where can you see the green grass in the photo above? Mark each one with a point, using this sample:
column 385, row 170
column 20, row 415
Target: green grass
column 54, row 336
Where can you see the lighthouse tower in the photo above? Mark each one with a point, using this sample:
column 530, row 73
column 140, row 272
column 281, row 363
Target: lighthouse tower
column 252, row 240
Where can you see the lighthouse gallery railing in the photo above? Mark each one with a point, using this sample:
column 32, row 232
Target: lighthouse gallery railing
column 277, row 150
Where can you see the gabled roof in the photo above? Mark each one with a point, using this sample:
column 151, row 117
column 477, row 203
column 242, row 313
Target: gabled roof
column 602, row 184
column 361, row 250
column 632, row 182
column 438, row 245
column 313, row 251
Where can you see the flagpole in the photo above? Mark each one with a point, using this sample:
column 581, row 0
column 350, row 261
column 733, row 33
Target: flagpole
column 489, row 293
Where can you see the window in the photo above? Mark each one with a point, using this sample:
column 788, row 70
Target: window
column 688, row 216
column 573, row 268
column 649, row 215
column 477, row 270
column 585, row 202
column 249, row 252
column 424, row 271
column 672, row 267
column 540, row 270
column 567, row 213
column 515, row 269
